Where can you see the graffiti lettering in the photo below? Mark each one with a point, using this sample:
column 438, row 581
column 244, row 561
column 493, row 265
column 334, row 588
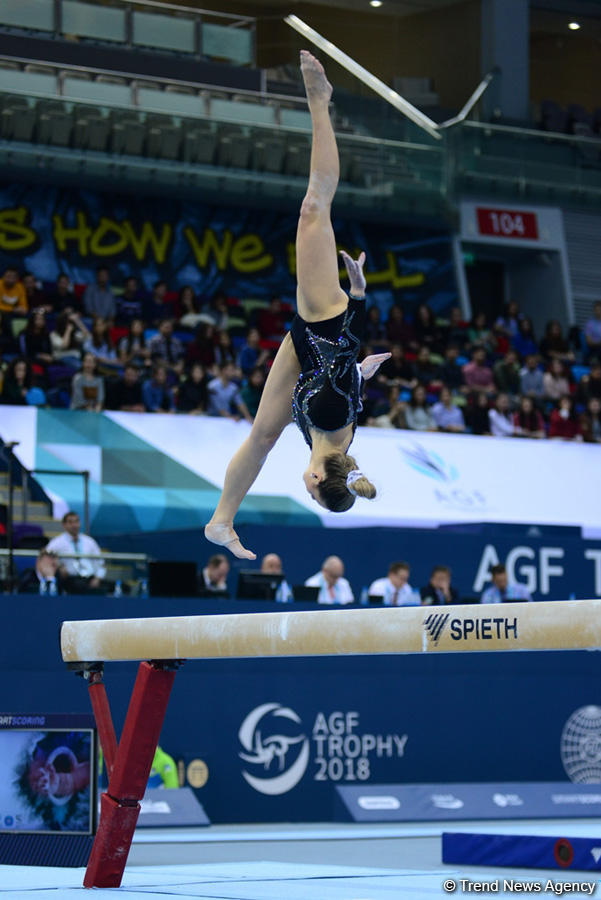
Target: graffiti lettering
column 388, row 276
column 246, row 254
column 15, row 233
column 112, row 238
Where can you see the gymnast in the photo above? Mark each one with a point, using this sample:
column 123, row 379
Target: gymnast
column 314, row 378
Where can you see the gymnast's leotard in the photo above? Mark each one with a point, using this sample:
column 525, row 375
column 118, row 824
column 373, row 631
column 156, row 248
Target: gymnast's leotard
column 327, row 395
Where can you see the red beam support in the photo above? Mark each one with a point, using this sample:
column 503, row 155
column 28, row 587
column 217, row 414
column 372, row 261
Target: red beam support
column 104, row 720
column 120, row 807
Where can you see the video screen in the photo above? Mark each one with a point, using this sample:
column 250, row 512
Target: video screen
column 47, row 780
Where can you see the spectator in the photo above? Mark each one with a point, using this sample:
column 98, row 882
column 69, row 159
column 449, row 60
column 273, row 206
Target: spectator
column 67, row 338
column 555, row 383
column 98, row 299
column 100, row 345
column 224, row 396
column 592, row 332
column 271, row 564
column 213, row 578
column 476, row 415
column 554, row 345
column 590, row 422
column 426, row 331
column 34, row 340
column 202, row 348
column 506, row 374
column 87, row 387
column 82, row 575
column 398, row 331
column 44, row 577
column 528, row 421
column 480, row 335
column 157, row 395
column 63, row 297
column 188, row 310
column 18, row 381
column 34, row 296
column 333, row 587
column 218, row 312
column 272, row 321
column 524, row 341
column 509, row 322
column 500, row 418
column 252, row 390
column 12, row 292
column 157, row 306
column 531, row 378
column 563, row 422
column 395, row 416
column 224, row 351
column 457, row 332
column 193, row 394
column 126, row 394
column 417, row 414
column 395, row 589
column 427, row 372
column 251, row 355
column 439, row 590
column 164, row 347
column 447, row 416
column 130, row 305
column 163, row 772
column 477, row 375
column 590, row 385
column 132, row 346
column 396, row 371
column 375, row 331
column 450, row 372
column 500, row 590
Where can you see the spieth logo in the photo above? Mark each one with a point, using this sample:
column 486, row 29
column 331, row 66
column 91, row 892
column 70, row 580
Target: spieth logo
column 435, row 624
column 580, row 745
column 429, row 463
column 281, row 758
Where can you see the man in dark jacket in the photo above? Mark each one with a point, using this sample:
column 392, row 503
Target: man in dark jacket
column 438, row 591
column 43, row 578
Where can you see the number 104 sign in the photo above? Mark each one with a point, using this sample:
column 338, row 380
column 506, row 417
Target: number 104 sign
column 507, row 223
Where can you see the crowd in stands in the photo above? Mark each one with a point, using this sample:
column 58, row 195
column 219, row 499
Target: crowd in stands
column 97, row 347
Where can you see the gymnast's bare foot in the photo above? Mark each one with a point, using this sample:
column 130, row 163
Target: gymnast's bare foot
column 317, row 86
column 225, row 536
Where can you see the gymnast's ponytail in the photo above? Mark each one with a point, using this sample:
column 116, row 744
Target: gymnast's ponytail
column 343, row 483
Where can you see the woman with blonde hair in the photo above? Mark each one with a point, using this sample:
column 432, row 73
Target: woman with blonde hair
column 314, row 378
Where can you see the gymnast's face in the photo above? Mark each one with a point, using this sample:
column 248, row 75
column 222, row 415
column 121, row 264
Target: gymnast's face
column 313, row 476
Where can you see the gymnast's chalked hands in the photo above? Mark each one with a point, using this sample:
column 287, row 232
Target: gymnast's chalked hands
column 371, row 364
column 354, row 268
column 225, row 536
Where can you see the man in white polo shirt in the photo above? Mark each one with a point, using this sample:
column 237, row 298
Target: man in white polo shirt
column 83, row 575
column 333, row 588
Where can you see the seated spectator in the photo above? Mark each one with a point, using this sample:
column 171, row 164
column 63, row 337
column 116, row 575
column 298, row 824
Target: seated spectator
column 272, row 321
column 271, row 564
column 375, row 331
column 224, row 351
column 34, row 294
column 18, row 381
column 476, row 415
column 398, row 331
column 524, row 342
column 417, row 413
column 251, row 355
column 590, row 385
column 87, row 387
column 132, row 347
column 202, row 348
column 213, row 578
column 126, row 394
column 188, row 308
column 427, row 372
column 500, row 419
column 563, row 423
column 12, row 292
column 100, row 345
column 391, row 416
column 252, row 390
column 447, row 416
column 480, row 335
column 509, row 322
column 163, row 772
column 165, row 348
column 500, row 590
column 193, row 393
column 34, row 340
column 63, row 298
column 396, row 371
column 531, row 378
column 527, row 421
column 427, row 332
column 333, row 587
column 477, row 375
column 592, row 333
column 157, row 395
column 506, row 374
column 554, row 345
column 43, row 578
column 439, row 591
column 225, row 399
column 555, row 383
column 130, row 305
column 457, row 331
column 82, row 575
column 217, row 312
column 395, row 589
column 98, row 298
column 158, row 307
column 67, row 338
column 590, row 422
column 450, row 372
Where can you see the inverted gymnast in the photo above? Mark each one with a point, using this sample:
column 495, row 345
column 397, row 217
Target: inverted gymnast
column 314, row 377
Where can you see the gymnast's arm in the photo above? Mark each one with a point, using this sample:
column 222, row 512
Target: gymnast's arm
column 274, row 413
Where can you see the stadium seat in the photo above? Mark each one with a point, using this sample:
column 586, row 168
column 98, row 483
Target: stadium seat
column 298, row 156
column 91, row 128
column 233, row 151
column 199, row 143
column 163, row 142
column 268, row 155
column 17, row 119
column 128, row 136
column 54, row 123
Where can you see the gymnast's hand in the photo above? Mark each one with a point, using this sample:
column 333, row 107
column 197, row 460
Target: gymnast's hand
column 354, row 268
column 225, row 536
column 371, row 364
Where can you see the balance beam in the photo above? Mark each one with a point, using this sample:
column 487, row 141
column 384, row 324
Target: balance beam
column 571, row 625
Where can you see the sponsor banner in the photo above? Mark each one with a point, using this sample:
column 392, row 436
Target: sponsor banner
column 171, row 808
column 446, row 802
column 523, row 851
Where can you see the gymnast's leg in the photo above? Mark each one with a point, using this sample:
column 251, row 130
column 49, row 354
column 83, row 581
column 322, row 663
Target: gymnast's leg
column 319, row 295
column 274, row 413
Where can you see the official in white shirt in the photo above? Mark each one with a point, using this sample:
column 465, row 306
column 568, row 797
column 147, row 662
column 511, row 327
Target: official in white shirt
column 333, row 587
column 395, row 588
column 83, row 574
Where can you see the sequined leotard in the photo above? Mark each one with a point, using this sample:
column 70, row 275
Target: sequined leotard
column 327, row 395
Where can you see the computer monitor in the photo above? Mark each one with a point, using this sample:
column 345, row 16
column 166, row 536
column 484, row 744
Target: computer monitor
column 304, row 593
column 254, row 585
column 172, row 579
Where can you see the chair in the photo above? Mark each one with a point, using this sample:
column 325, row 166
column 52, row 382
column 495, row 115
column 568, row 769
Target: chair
column 54, row 125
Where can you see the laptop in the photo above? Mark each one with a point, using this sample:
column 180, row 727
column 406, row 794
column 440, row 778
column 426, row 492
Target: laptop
column 303, row 593
column 254, row 585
